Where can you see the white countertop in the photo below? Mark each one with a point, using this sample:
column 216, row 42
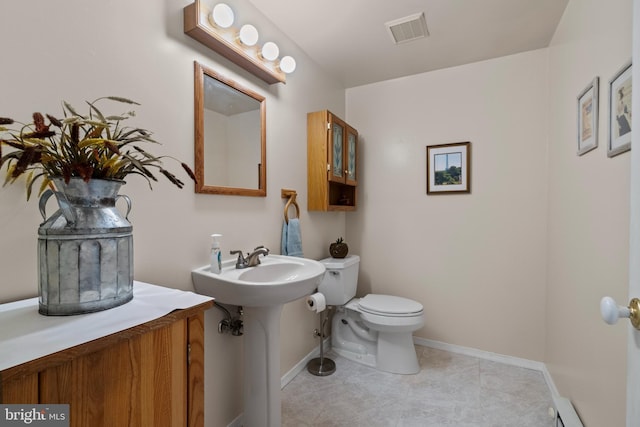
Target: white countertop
column 26, row 335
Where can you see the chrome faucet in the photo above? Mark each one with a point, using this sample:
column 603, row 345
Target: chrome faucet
column 252, row 258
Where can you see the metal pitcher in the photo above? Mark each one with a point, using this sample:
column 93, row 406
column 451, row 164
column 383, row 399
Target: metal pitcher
column 85, row 248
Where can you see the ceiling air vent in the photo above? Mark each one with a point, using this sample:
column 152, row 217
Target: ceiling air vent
column 408, row 28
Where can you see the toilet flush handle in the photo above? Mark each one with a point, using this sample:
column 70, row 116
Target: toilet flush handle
column 611, row 311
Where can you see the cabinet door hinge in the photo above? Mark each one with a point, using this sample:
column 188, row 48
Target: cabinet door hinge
column 188, row 354
column 328, row 126
column 328, row 167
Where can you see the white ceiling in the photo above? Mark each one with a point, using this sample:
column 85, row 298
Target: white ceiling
column 349, row 39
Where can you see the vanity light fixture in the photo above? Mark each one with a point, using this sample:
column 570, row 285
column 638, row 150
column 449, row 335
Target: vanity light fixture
column 214, row 28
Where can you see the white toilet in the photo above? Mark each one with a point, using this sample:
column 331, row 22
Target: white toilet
column 375, row 330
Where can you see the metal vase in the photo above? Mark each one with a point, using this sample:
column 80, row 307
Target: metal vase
column 85, row 249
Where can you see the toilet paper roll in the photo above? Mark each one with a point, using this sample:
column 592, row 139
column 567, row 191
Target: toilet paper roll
column 316, row 302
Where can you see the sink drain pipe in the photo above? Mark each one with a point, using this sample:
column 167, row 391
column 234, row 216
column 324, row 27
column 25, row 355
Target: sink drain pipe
column 230, row 324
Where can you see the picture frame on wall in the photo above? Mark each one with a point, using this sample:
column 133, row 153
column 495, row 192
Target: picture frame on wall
column 620, row 88
column 588, row 117
column 449, row 168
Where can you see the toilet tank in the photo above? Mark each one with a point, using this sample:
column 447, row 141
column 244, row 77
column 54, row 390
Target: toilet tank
column 341, row 279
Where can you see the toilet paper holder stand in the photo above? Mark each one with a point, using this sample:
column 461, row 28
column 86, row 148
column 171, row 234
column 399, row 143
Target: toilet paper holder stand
column 321, row 366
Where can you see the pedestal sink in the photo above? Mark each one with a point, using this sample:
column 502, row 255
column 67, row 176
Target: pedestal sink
column 262, row 291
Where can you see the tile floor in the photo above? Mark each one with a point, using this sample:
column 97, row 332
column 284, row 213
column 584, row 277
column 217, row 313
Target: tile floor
column 450, row 390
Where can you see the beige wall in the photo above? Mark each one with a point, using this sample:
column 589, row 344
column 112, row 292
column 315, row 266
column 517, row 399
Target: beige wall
column 517, row 267
column 81, row 49
column 475, row 261
column 588, row 216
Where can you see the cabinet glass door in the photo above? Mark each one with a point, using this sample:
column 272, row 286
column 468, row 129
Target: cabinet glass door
column 336, row 172
column 351, row 156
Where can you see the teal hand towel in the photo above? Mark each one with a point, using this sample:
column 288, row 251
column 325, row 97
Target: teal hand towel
column 283, row 242
column 291, row 238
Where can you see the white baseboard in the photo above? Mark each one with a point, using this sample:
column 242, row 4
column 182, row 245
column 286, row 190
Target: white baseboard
column 552, row 386
column 481, row 354
column 301, row 365
column 237, row 422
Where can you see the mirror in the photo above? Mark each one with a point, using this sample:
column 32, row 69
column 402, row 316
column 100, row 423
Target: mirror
column 230, row 136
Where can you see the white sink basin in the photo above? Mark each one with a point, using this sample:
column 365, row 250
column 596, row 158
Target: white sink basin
column 277, row 280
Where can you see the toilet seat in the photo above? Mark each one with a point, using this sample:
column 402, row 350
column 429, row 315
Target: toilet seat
column 387, row 313
column 389, row 305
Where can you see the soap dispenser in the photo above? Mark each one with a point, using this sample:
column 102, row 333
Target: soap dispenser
column 216, row 254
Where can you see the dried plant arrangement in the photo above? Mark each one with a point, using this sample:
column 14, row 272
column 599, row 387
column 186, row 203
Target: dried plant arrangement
column 90, row 146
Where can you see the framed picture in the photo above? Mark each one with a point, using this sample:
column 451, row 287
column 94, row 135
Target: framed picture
column 620, row 112
column 588, row 118
column 448, row 168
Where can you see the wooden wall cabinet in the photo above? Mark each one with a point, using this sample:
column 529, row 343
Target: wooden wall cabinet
column 332, row 161
column 148, row 375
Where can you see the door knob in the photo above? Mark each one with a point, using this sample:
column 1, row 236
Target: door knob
column 611, row 311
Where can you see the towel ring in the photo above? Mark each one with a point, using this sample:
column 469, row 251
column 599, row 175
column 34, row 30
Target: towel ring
column 291, row 194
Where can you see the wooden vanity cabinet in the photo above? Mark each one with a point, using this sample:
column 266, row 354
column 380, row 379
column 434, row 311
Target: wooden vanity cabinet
column 148, row 375
column 332, row 159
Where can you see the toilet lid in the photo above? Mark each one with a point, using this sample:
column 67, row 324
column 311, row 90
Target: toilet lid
column 389, row 305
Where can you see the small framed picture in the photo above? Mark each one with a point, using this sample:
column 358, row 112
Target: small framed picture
column 449, row 168
column 620, row 112
column 588, row 118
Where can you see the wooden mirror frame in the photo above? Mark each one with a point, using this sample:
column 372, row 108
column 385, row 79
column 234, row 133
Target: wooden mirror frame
column 201, row 187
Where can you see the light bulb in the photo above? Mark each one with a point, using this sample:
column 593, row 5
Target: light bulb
column 287, row 64
column 222, row 15
column 270, row 51
column 248, row 35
